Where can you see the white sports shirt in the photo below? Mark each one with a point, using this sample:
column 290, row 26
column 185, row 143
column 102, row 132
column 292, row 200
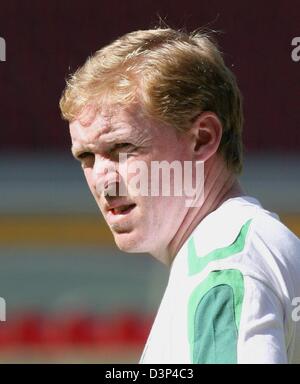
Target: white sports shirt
column 232, row 292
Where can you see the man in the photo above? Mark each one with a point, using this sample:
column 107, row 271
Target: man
column 166, row 96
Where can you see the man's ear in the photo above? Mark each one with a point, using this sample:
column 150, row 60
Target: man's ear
column 206, row 134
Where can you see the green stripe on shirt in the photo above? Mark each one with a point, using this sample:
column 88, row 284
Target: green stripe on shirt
column 197, row 264
column 214, row 311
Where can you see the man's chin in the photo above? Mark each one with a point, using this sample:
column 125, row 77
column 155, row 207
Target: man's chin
column 127, row 242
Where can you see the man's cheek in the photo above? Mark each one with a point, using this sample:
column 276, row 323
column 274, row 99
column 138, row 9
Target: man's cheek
column 90, row 181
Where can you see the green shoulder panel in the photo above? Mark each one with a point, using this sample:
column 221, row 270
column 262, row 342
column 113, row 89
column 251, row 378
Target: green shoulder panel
column 214, row 311
column 197, row 264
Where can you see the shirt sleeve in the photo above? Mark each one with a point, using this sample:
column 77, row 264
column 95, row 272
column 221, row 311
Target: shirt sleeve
column 261, row 334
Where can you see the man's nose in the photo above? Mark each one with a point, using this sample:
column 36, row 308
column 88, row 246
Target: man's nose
column 104, row 171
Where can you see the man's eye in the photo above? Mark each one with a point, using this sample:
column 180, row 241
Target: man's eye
column 86, row 159
column 85, row 155
column 123, row 146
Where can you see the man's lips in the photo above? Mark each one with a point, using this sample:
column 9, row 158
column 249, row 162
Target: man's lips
column 119, row 208
column 122, row 209
column 117, row 214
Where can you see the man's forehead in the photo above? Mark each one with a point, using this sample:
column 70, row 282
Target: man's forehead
column 107, row 123
column 91, row 120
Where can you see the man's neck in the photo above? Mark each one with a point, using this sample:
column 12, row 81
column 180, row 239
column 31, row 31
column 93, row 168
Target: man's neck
column 220, row 185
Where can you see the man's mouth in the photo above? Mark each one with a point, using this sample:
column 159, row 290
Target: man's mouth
column 122, row 209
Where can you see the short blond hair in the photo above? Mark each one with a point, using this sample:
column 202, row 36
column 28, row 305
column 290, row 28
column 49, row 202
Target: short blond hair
column 173, row 75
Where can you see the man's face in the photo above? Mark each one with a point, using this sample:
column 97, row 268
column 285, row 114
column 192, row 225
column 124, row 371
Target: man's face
column 138, row 223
